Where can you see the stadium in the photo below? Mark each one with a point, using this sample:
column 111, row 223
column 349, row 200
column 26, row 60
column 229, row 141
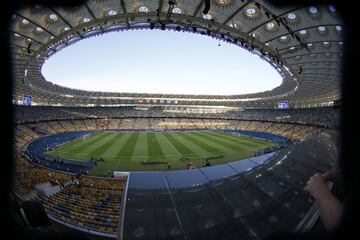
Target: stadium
column 132, row 165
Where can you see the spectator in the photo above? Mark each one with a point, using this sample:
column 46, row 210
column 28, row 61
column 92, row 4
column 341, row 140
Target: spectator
column 189, row 165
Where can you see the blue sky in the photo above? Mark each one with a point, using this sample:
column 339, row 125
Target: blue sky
column 155, row 61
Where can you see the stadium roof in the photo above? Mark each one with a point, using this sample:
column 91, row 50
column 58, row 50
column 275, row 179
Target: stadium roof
column 304, row 43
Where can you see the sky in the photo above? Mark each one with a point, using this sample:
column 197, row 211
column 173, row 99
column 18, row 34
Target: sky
column 156, row 61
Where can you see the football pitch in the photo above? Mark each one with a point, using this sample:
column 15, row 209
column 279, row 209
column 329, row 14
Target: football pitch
column 126, row 151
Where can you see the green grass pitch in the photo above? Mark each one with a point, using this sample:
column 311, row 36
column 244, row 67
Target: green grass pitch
column 125, row 151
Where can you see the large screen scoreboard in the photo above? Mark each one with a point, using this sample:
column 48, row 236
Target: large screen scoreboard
column 283, row 104
column 27, row 100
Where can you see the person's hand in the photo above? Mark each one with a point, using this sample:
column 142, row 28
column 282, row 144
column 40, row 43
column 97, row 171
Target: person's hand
column 317, row 187
column 329, row 175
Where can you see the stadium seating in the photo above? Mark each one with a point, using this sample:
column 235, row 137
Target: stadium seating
column 326, row 117
column 88, row 203
column 28, row 176
column 94, row 204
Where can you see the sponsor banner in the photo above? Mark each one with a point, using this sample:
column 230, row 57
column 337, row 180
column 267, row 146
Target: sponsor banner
column 121, row 174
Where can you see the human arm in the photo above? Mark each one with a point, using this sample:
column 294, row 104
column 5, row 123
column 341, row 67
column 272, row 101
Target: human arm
column 330, row 207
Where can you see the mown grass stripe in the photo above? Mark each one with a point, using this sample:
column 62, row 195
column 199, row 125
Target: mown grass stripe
column 110, row 147
column 200, row 144
column 194, row 148
column 154, row 149
column 110, row 159
column 77, row 145
column 221, row 141
column 180, row 147
column 117, row 145
column 214, row 142
column 167, row 147
column 105, row 145
column 246, row 141
column 225, row 135
column 128, row 148
column 87, row 144
column 141, row 148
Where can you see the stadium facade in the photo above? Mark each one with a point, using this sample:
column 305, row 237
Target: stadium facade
column 304, row 44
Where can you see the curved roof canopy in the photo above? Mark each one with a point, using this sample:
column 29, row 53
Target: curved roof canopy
column 303, row 43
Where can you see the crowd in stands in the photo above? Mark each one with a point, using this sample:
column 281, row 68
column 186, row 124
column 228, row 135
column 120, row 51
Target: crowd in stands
column 26, row 132
column 325, row 117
